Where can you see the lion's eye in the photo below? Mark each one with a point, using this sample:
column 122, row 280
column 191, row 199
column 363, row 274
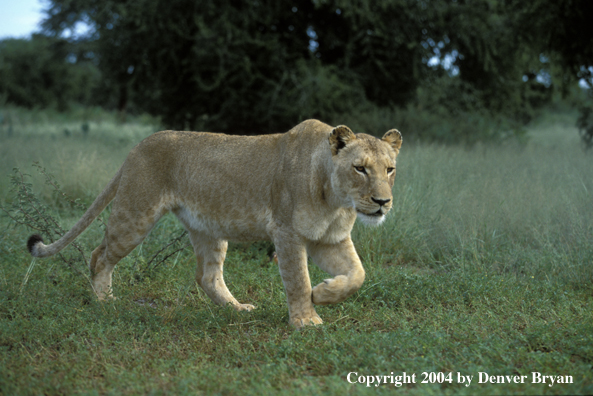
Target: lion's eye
column 390, row 170
column 360, row 169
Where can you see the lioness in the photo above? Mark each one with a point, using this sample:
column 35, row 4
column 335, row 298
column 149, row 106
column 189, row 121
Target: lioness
column 302, row 190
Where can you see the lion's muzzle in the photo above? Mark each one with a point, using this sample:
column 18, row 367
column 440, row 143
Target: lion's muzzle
column 381, row 202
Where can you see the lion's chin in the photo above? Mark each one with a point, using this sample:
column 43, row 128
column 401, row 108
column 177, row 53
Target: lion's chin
column 370, row 220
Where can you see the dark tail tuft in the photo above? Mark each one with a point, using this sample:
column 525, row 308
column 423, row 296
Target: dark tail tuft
column 33, row 239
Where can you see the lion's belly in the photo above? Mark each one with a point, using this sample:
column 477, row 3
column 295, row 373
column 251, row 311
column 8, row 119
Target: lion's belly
column 248, row 227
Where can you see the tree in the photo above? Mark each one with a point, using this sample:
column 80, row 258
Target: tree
column 228, row 65
column 36, row 72
column 241, row 66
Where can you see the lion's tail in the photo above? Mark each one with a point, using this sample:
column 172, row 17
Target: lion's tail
column 35, row 243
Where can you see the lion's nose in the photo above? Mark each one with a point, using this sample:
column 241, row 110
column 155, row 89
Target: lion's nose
column 380, row 201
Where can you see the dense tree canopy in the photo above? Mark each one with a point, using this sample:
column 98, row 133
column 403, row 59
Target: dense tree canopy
column 36, row 72
column 263, row 65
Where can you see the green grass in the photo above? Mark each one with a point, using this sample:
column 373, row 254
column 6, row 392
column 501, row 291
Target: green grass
column 82, row 161
column 485, row 265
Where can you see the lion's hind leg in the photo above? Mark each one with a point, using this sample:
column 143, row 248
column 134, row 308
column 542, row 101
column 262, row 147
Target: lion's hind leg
column 210, row 254
column 341, row 261
column 125, row 230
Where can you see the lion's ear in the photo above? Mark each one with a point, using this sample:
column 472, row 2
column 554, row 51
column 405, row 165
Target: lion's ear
column 340, row 137
column 394, row 138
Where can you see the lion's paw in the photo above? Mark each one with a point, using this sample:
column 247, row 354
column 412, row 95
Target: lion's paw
column 244, row 307
column 301, row 321
column 331, row 291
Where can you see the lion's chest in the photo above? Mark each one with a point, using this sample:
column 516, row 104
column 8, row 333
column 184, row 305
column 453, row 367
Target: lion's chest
column 324, row 226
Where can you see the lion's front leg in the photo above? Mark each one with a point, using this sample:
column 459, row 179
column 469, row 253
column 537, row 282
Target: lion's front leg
column 341, row 261
column 292, row 261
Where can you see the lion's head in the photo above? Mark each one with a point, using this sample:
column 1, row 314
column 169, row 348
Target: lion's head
column 364, row 171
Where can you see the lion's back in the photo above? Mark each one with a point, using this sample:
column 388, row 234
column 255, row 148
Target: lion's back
column 228, row 184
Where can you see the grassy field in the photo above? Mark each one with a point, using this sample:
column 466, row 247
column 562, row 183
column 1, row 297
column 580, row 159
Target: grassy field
column 485, row 265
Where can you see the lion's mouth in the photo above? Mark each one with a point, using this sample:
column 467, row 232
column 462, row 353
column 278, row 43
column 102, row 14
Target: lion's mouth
column 378, row 213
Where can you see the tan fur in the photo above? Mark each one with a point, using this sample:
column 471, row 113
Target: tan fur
column 302, row 190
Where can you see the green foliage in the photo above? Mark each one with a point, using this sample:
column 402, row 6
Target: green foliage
column 383, row 43
column 559, row 30
column 258, row 67
column 36, row 73
column 262, row 66
column 27, row 210
column 224, row 66
column 312, row 90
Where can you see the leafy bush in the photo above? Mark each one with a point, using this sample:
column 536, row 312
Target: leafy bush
column 36, row 73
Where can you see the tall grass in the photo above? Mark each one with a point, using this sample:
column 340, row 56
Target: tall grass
column 520, row 208
column 83, row 148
